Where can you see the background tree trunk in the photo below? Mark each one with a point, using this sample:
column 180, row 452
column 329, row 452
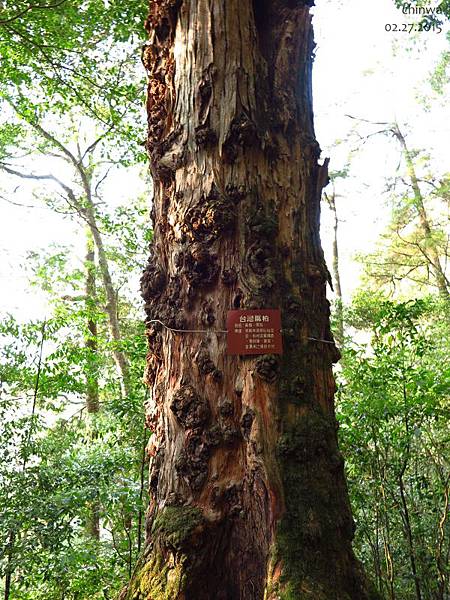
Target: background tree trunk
column 92, row 396
column 91, row 342
column 111, row 308
column 428, row 248
column 248, row 496
column 339, row 333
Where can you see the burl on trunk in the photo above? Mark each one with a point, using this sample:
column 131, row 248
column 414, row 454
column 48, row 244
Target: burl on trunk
column 248, row 496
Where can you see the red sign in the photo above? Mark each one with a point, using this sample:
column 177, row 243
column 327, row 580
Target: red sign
column 254, row 331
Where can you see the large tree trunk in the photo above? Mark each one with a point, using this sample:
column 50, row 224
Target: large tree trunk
column 248, row 496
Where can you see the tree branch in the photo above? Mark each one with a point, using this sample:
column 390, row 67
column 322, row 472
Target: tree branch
column 18, row 203
column 31, row 7
column 34, row 177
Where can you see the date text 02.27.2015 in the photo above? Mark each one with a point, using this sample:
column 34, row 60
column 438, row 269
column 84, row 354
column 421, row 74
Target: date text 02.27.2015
column 413, row 27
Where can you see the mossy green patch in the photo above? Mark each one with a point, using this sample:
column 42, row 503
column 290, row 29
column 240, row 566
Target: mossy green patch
column 307, row 591
column 176, row 523
column 162, row 575
column 310, row 534
column 156, row 580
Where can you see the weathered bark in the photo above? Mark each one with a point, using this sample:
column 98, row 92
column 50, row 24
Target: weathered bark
column 248, row 496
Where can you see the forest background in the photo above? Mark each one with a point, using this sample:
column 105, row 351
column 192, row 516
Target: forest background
column 74, row 205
